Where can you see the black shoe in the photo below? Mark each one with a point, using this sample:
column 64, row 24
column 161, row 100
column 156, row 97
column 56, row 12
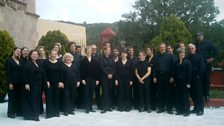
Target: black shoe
column 194, row 111
column 11, row 116
column 128, row 110
column 141, row 109
column 149, row 110
column 66, row 114
column 170, row 112
column 36, row 119
column 200, row 113
column 160, row 111
column 120, row 109
column 103, row 111
column 178, row 113
column 110, row 110
column 186, row 114
column 92, row 110
column 72, row 113
column 87, row 111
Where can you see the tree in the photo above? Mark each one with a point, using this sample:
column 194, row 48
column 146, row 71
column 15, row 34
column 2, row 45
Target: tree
column 172, row 31
column 6, row 47
column 53, row 37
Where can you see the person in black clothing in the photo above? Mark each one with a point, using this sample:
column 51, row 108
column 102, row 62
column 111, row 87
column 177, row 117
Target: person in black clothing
column 123, row 80
column 182, row 75
column 34, row 78
column 153, row 87
column 163, row 71
column 208, row 52
column 98, row 98
column 134, row 90
column 71, row 80
column 41, row 59
column 196, row 91
column 107, row 67
column 13, row 75
column 143, row 72
column 89, row 77
column 52, row 69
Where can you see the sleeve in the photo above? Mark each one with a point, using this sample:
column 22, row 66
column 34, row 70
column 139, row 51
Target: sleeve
column 201, row 65
column 116, row 71
column 82, row 70
column 154, row 70
column 213, row 50
column 131, row 70
column 189, row 72
column 102, row 68
column 28, row 73
column 8, row 71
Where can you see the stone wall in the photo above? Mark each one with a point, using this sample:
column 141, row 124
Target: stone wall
column 18, row 17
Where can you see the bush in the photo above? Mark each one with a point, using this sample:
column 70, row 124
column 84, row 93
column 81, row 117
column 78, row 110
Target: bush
column 6, row 47
column 172, row 31
column 51, row 38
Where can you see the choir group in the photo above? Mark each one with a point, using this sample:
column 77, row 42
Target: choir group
column 113, row 79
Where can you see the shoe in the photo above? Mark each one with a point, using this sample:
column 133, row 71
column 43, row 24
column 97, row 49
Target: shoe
column 72, row 113
column 92, row 110
column 170, row 112
column 200, row 113
column 120, row 109
column 186, row 114
column 66, row 114
column 87, row 111
column 128, row 110
column 178, row 113
column 160, row 111
column 141, row 109
column 11, row 116
column 36, row 119
column 149, row 110
column 103, row 111
column 194, row 111
column 110, row 110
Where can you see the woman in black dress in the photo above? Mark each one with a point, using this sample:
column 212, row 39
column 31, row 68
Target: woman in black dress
column 89, row 77
column 52, row 69
column 107, row 67
column 71, row 80
column 182, row 75
column 123, row 79
column 143, row 72
column 13, row 75
column 34, row 78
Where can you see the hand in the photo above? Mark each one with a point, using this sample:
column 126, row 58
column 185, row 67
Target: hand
column 10, row 86
column 27, row 87
column 97, row 82
column 48, row 84
column 171, row 80
column 141, row 80
column 155, row 80
column 60, row 85
column 116, row 82
column 188, row 85
column 83, row 82
column 210, row 60
column 78, row 83
column 131, row 83
column 110, row 76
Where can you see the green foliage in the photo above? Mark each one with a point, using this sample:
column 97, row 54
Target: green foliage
column 6, row 47
column 172, row 31
column 217, row 93
column 53, row 37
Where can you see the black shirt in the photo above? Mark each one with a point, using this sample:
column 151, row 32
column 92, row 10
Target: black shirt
column 70, row 75
column 107, row 65
column 183, row 70
column 197, row 63
column 13, row 71
column 89, row 69
column 123, row 70
column 142, row 68
column 206, row 49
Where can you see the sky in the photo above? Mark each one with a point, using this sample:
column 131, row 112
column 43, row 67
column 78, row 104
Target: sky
column 92, row 11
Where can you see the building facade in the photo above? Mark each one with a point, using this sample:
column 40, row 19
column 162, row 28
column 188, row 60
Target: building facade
column 19, row 18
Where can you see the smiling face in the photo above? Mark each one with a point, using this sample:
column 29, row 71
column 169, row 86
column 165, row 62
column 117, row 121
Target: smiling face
column 162, row 48
column 107, row 51
column 17, row 53
column 141, row 56
column 116, row 53
column 34, row 56
column 191, row 49
column 88, row 51
column 124, row 55
column 53, row 55
column 181, row 55
column 25, row 52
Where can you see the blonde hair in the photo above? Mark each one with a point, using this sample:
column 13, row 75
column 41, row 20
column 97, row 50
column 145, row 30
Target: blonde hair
column 66, row 55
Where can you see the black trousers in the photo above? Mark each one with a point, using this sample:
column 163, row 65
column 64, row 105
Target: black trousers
column 107, row 87
column 135, row 94
column 182, row 97
column 32, row 103
column 114, row 95
column 144, row 94
column 124, row 93
column 52, row 100
column 206, row 80
column 15, row 100
column 69, row 98
column 153, row 94
column 79, row 101
column 88, row 93
column 197, row 94
column 98, row 97
column 165, row 98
